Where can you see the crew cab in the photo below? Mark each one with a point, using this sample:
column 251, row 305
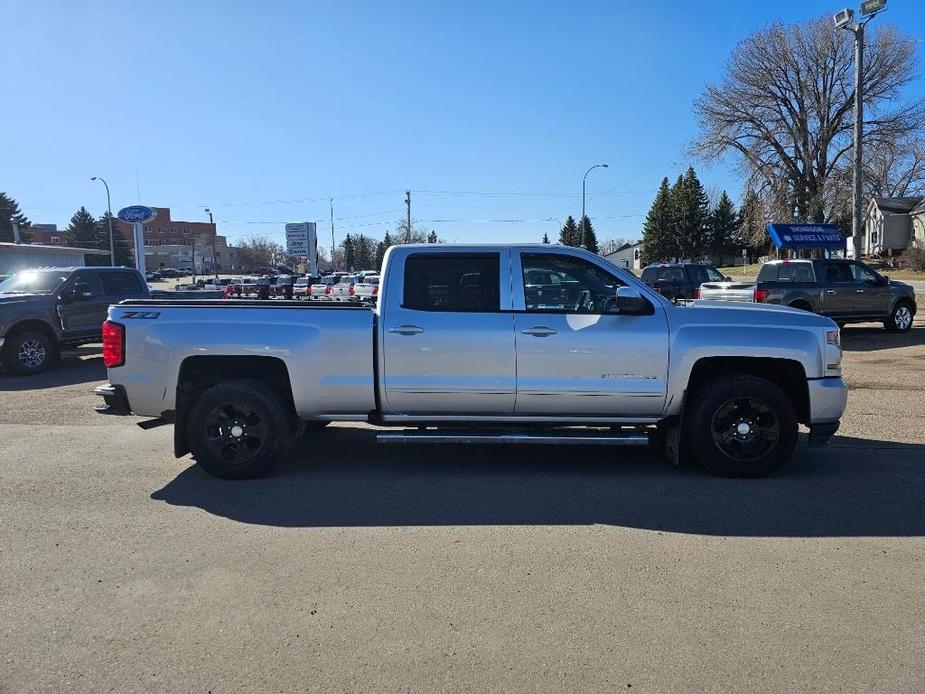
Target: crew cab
column 680, row 281
column 491, row 344
column 847, row 291
column 47, row 310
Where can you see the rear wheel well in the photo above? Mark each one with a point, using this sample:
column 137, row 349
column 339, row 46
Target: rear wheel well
column 786, row 374
column 198, row 374
column 801, row 304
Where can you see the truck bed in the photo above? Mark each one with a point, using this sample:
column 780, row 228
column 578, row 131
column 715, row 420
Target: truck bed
column 326, row 351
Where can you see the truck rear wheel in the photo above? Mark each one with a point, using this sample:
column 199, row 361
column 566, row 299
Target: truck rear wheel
column 239, row 429
column 741, row 426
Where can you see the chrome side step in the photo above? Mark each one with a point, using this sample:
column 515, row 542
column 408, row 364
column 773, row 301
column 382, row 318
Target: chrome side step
column 576, row 438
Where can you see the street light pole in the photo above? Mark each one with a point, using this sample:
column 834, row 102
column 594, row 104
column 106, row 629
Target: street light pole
column 112, row 248
column 214, row 270
column 583, row 182
column 843, row 20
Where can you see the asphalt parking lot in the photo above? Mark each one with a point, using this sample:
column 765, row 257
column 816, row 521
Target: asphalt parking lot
column 360, row 568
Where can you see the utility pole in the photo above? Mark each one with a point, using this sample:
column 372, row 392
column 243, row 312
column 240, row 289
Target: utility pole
column 332, row 235
column 845, row 20
column 194, row 258
column 214, row 270
column 858, row 137
column 408, row 205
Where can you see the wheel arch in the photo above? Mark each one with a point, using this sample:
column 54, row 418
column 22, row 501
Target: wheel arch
column 199, row 373
column 36, row 324
column 787, row 374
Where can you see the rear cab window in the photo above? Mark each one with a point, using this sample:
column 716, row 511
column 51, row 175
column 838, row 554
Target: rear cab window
column 462, row 283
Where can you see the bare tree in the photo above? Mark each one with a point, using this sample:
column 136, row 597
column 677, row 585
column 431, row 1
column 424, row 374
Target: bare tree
column 895, row 168
column 784, row 109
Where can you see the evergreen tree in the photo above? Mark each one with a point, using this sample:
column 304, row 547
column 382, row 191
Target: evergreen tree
column 122, row 247
column 9, row 211
column 546, row 238
column 569, row 235
column 81, row 232
column 349, row 253
column 381, row 249
column 364, row 252
column 657, row 231
column 722, row 226
column 691, row 209
column 590, row 236
column 432, row 237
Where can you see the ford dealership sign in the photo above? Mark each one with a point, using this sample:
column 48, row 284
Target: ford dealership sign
column 137, row 214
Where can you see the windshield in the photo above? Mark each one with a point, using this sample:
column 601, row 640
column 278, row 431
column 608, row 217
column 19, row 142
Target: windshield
column 33, row 282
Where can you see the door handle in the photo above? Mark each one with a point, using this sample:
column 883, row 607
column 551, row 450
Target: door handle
column 539, row 331
column 829, row 291
column 407, row 330
column 858, row 291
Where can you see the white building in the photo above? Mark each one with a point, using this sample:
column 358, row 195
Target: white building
column 24, row 256
column 627, row 256
column 893, row 225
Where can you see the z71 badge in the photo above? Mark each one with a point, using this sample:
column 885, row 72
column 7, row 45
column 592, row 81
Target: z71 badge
column 141, row 315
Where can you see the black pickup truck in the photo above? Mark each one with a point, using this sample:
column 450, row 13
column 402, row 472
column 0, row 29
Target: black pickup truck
column 44, row 311
column 679, row 281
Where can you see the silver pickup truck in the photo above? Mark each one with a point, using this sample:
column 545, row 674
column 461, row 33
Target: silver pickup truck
column 469, row 344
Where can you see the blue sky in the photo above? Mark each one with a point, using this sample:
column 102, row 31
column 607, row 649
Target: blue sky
column 489, row 112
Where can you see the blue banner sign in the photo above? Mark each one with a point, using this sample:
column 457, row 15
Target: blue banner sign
column 137, row 214
column 806, row 236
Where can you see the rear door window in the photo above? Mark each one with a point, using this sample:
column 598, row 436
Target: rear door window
column 119, row 283
column 456, row 283
column 92, row 280
column 838, row 273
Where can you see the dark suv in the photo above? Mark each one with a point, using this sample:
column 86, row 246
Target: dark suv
column 43, row 311
column 680, row 281
column 847, row 291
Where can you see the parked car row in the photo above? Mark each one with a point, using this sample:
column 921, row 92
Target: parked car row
column 847, row 291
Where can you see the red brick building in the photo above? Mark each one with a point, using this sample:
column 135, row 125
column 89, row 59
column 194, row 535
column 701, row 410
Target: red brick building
column 171, row 243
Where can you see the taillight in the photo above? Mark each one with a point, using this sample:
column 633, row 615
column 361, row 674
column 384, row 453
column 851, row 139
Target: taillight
column 760, row 295
column 351, row 291
column 697, row 293
column 308, row 290
column 376, row 290
column 327, row 289
column 113, row 344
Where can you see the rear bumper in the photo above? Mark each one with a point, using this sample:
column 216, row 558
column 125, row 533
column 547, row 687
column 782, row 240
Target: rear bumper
column 115, row 401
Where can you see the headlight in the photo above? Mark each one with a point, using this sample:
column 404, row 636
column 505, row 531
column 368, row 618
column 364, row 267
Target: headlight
column 833, row 337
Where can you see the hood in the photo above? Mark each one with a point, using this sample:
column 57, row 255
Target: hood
column 9, row 299
column 732, row 313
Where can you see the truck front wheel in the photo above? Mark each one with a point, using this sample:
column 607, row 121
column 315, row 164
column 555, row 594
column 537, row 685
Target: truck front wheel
column 28, row 352
column 239, row 429
column 741, row 426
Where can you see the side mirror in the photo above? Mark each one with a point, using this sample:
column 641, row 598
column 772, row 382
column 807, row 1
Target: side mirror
column 884, row 280
column 727, row 278
column 630, row 302
column 81, row 290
